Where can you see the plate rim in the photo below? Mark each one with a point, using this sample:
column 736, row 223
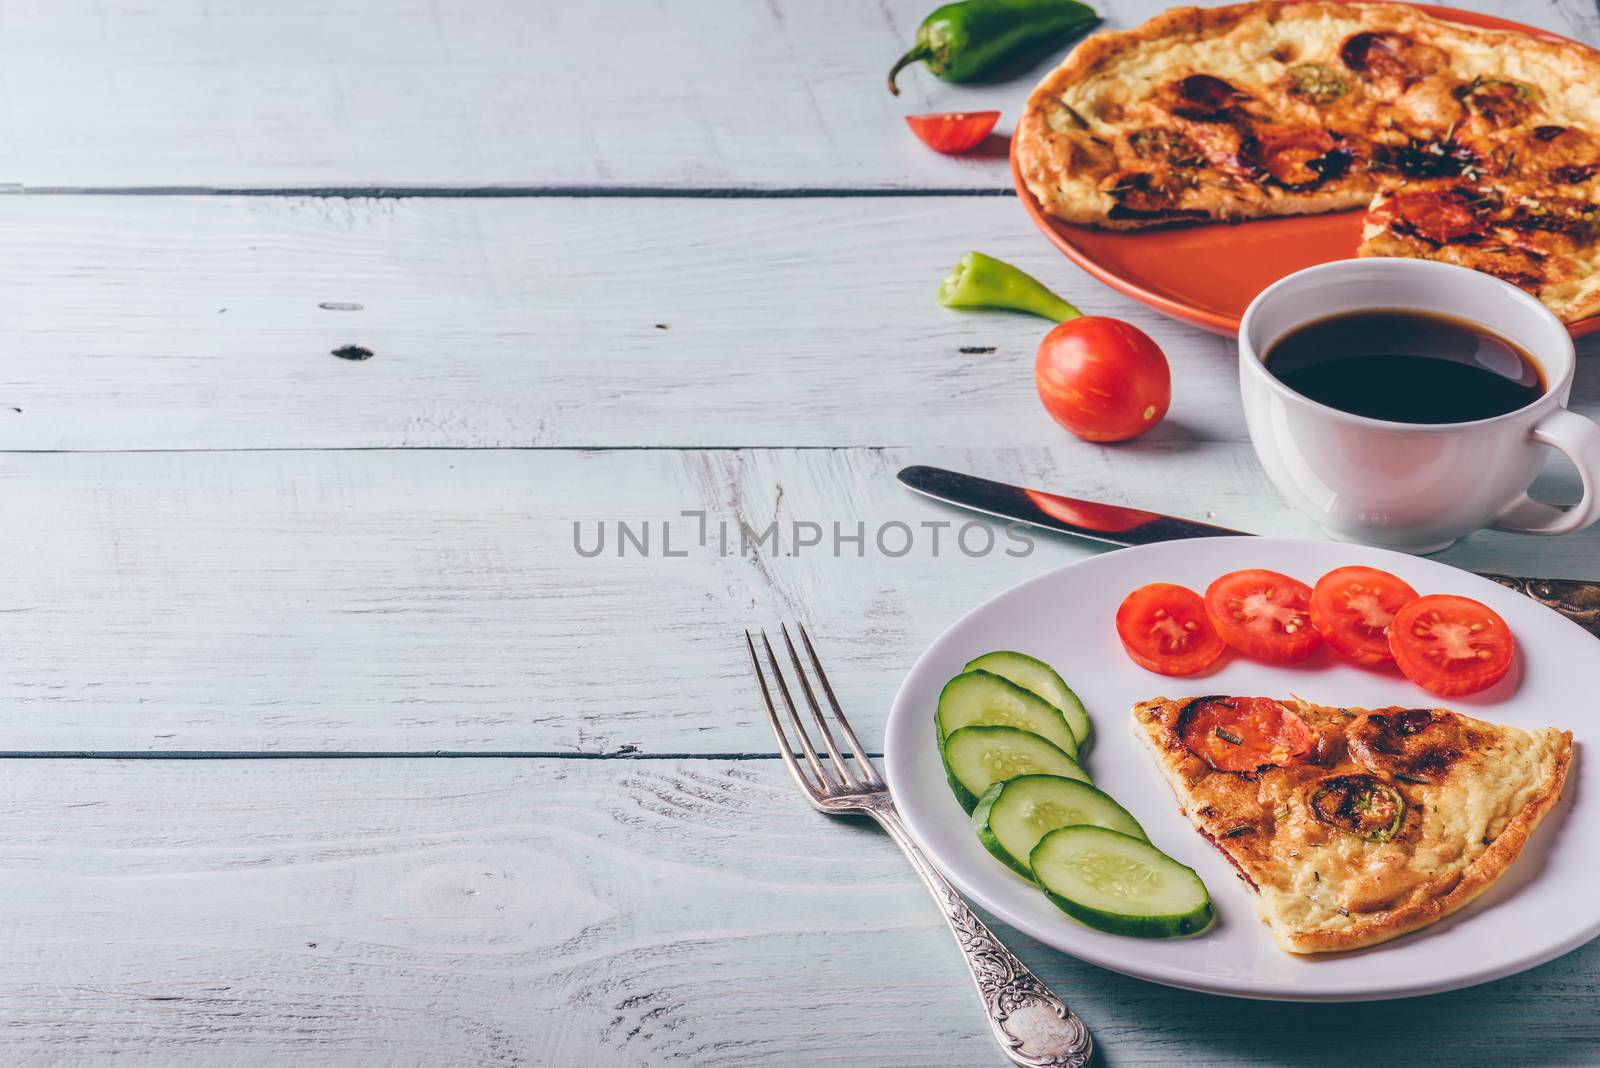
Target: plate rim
column 1250, row 988
column 1216, row 322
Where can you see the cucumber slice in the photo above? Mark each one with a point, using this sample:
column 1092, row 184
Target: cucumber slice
column 1118, row 883
column 1013, row 815
column 1041, row 679
column 975, row 758
column 977, row 698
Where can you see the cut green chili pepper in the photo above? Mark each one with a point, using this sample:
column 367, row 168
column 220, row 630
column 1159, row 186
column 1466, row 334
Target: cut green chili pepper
column 975, row 37
column 1359, row 805
column 979, row 281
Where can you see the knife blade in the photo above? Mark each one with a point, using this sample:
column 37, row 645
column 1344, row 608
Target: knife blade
column 1117, row 525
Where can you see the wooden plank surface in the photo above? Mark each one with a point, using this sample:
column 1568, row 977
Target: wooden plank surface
column 195, row 323
column 210, row 323
column 573, row 912
column 453, row 94
column 435, row 600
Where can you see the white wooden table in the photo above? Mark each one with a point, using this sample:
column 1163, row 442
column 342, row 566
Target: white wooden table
column 321, row 741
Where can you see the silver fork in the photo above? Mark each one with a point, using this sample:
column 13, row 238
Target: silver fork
column 1032, row 1025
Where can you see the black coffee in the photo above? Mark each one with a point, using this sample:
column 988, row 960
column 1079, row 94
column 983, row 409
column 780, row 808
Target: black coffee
column 1407, row 367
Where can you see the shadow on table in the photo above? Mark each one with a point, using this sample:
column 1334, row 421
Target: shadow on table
column 1544, row 1017
column 995, row 146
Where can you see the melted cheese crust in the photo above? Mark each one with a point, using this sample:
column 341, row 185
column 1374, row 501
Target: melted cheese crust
column 1321, row 888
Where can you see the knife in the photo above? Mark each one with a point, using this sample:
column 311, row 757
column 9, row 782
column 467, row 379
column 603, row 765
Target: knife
column 1116, row 525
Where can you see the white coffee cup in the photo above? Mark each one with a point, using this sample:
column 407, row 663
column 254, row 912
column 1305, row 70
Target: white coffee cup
column 1416, row 487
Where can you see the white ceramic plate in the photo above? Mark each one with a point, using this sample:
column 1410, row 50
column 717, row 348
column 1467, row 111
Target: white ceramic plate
column 1543, row 907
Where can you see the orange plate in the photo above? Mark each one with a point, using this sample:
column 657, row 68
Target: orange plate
column 1207, row 274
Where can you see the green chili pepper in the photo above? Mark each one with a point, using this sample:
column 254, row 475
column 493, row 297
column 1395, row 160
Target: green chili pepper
column 979, row 281
column 964, row 40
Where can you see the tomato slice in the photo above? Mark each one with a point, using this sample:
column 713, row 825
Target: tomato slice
column 1164, row 629
column 954, row 132
column 1352, row 607
column 1451, row 645
column 1242, row 733
column 1263, row 614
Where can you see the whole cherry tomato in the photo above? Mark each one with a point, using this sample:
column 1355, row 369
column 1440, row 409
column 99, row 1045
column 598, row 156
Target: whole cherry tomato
column 1102, row 379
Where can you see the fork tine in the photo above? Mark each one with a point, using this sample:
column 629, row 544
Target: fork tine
column 857, row 750
column 808, row 750
column 816, row 712
column 807, row 787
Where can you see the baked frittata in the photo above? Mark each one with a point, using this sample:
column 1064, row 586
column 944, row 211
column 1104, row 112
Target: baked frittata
column 1478, row 147
column 1354, row 826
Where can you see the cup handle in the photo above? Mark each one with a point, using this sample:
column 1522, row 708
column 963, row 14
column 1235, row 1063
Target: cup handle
column 1579, row 438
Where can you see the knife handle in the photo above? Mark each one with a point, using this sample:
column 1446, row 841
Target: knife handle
column 1578, row 601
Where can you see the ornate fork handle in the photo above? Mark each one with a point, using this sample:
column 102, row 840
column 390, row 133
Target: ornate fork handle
column 1578, row 601
column 1032, row 1025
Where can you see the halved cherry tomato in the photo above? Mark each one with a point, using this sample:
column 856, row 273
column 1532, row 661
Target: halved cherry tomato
column 953, row 132
column 1242, row 733
column 1451, row 645
column 1263, row 614
column 1352, row 607
column 1438, row 216
column 1204, row 98
column 1291, row 155
column 1164, row 629
column 1378, row 54
column 1393, row 60
column 1102, row 379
